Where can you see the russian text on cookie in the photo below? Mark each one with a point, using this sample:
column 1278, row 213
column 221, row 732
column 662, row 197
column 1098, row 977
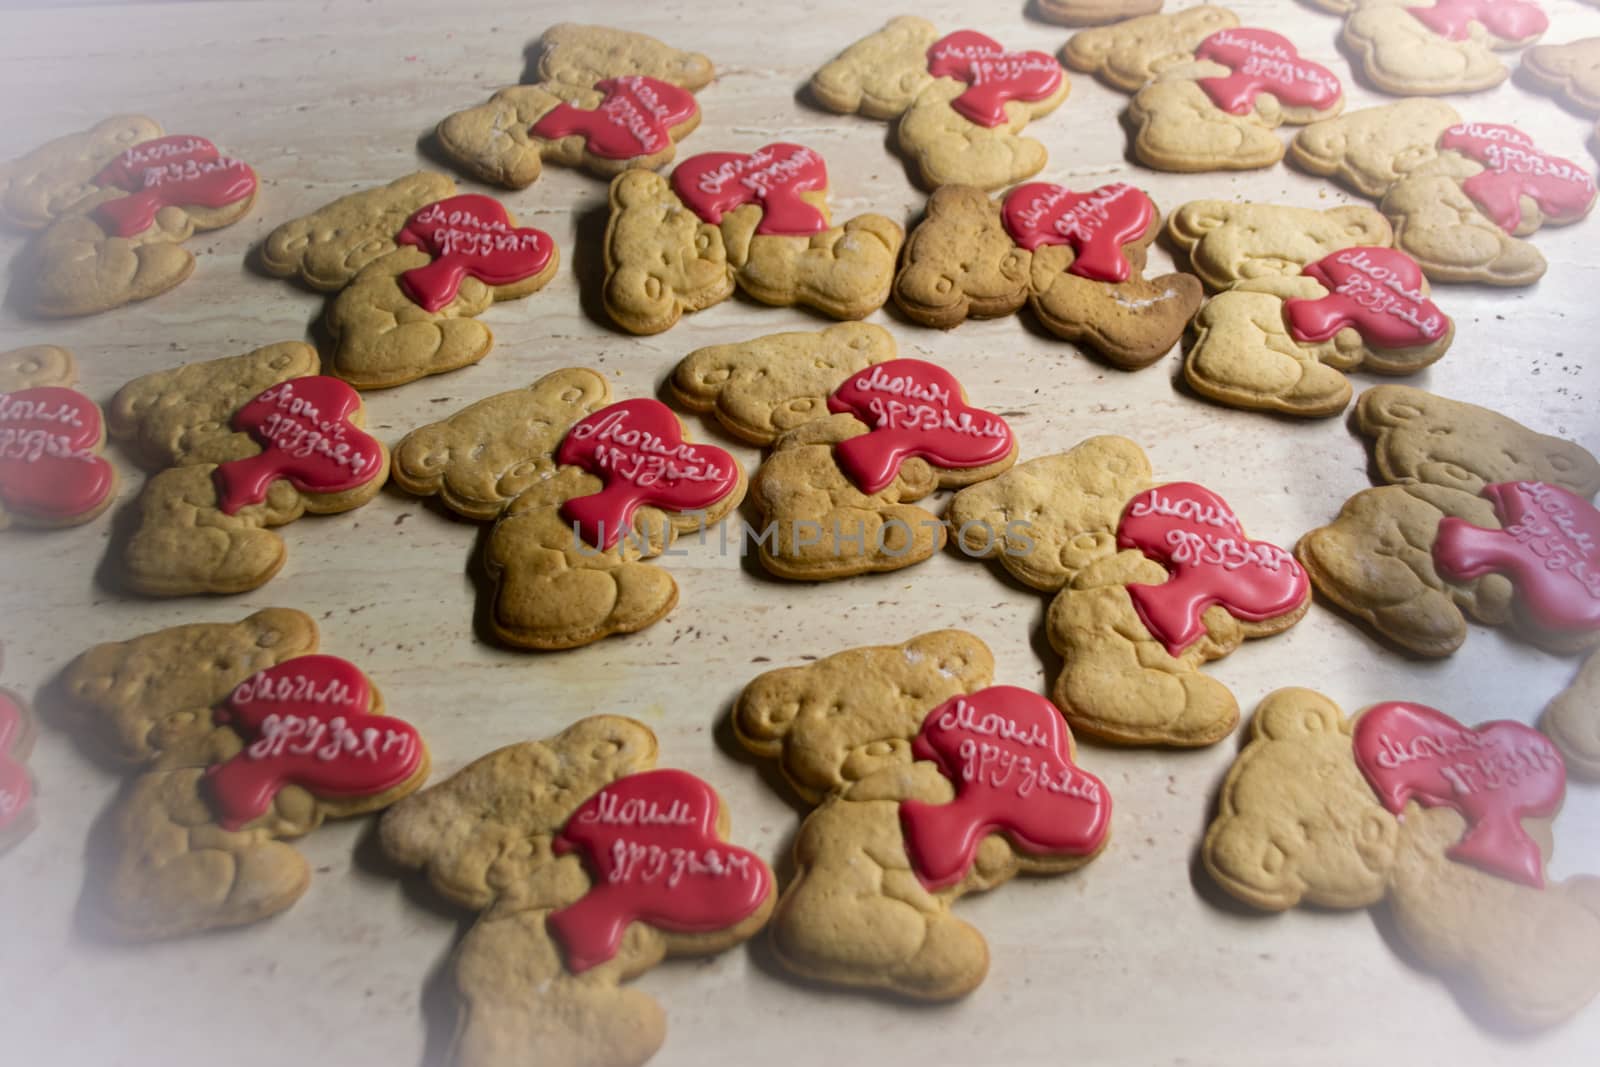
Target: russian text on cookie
column 1513, row 168
column 1095, row 224
column 1008, row 754
column 993, row 75
column 1548, row 546
column 1508, row 20
column 649, row 842
column 174, row 171
column 636, row 118
column 1264, row 62
column 16, row 785
column 306, row 435
column 913, row 408
column 1377, row 291
column 306, row 722
column 772, row 176
column 1495, row 775
column 1193, row 533
column 636, row 448
column 50, row 469
column 469, row 235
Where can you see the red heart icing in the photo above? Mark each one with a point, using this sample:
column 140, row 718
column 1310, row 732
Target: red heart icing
column 651, row 847
column 1515, row 168
column 914, row 408
column 50, row 469
column 469, row 234
column 1494, row 775
column 1549, row 548
column 1008, row 753
column 1096, row 224
column 1193, row 533
column 1376, row 290
column 773, row 176
column 636, row 118
column 1509, row 20
column 637, row 448
column 1264, row 62
column 16, row 785
column 993, row 74
column 304, row 429
column 306, row 722
column 174, row 171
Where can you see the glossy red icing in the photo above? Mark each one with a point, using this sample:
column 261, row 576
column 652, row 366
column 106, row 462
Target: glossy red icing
column 1549, row 548
column 469, row 235
column 1515, row 168
column 1509, row 20
column 16, row 785
column 175, row 171
column 304, row 429
column 1096, row 224
column 650, row 844
column 773, row 176
column 1264, row 62
column 914, row 408
column 1495, row 775
column 993, row 75
column 1008, row 754
column 1376, row 290
column 636, row 118
column 49, row 467
column 1193, row 533
column 306, row 723
column 637, row 448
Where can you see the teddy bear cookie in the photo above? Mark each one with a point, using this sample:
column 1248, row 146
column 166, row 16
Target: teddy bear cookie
column 17, row 813
column 412, row 265
column 1076, row 258
column 1570, row 71
column 1572, row 721
column 1475, row 514
column 1282, row 343
column 928, row 783
column 240, row 738
column 1150, row 580
column 1443, row 824
column 113, row 205
column 757, row 221
column 239, row 446
column 589, row 866
column 1461, row 195
column 1435, row 47
column 51, row 471
column 1208, row 94
column 1091, row 12
column 1229, row 241
column 605, row 100
column 960, row 101
column 582, row 491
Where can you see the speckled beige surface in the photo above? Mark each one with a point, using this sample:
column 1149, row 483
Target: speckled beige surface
column 1137, row 959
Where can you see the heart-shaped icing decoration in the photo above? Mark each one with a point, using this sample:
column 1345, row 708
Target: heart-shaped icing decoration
column 993, row 75
column 636, row 118
column 772, row 176
column 469, row 235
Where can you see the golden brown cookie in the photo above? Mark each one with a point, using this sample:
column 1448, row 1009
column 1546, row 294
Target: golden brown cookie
column 36, row 366
column 1572, row 720
column 58, row 177
column 1092, row 12
column 1229, row 241
column 1437, row 46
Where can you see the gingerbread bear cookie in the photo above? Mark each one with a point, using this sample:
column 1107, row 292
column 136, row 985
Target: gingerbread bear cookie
column 240, row 738
column 960, row 100
column 589, row 867
column 413, row 264
column 756, row 221
column 18, row 815
column 1475, row 514
column 1233, row 241
column 1407, row 807
column 582, row 491
column 605, row 100
column 239, row 446
column 1091, row 12
column 1207, row 94
column 114, row 204
column 1572, row 721
column 1281, row 344
column 1461, row 195
column 928, row 783
column 1076, row 258
column 1570, row 71
column 51, row 471
column 1150, row 580
column 1434, row 47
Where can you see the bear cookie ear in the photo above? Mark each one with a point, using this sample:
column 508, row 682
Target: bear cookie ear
column 1361, row 225
column 1291, row 713
column 1197, row 218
